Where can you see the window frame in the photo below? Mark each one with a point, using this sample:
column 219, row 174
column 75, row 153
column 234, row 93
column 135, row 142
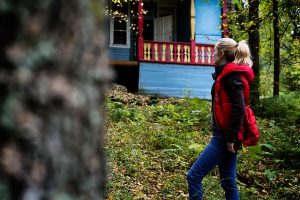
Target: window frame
column 111, row 35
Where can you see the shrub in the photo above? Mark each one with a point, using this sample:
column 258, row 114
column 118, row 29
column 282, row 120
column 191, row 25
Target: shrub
column 283, row 109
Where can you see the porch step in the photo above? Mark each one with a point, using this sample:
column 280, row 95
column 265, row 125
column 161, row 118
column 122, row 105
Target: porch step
column 123, row 63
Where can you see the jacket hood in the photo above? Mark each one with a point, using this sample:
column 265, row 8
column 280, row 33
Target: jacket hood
column 244, row 70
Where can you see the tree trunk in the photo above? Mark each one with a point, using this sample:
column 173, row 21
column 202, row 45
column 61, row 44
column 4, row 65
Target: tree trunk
column 53, row 74
column 254, row 46
column 276, row 49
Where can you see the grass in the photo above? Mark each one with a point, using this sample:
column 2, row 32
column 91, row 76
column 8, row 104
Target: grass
column 151, row 144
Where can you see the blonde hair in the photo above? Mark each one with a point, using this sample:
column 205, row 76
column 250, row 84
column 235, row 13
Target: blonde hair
column 238, row 53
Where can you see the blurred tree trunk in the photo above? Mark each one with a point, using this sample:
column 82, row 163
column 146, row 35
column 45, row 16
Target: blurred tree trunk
column 276, row 49
column 53, row 75
column 253, row 33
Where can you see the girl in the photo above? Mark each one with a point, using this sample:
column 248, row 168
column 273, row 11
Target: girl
column 230, row 93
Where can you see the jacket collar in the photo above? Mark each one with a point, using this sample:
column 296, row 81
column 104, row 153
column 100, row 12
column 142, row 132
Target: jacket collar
column 244, row 70
column 218, row 71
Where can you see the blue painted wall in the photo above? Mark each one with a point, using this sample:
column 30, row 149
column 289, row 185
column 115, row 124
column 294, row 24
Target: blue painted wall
column 175, row 80
column 208, row 21
column 115, row 53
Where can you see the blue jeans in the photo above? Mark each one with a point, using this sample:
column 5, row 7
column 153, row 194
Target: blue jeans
column 215, row 154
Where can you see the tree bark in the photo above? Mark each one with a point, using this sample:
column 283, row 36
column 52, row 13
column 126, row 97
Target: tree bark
column 253, row 34
column 53, row 75
column 276, row 49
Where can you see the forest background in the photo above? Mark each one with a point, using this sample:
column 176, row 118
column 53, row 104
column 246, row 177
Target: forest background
column 152, row 142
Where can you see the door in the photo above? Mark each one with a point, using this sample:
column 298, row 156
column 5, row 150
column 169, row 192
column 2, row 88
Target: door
column 163, row 29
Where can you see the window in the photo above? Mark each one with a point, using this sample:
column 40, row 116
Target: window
column 119, row 26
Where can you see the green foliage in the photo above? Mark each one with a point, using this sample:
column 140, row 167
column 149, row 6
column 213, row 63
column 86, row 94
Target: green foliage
column 156, row 143
column 281, row 130
column 271, row 175
column 291, row 65
column 239, row 23
column 189, row 115
column 292, row 77
column 120, row 112
column 270, row 164
column 266, row 83
column 283, row 109
column 151, row 147
column 212, row 188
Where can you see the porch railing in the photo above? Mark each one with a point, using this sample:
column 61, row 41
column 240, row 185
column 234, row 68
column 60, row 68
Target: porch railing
column 177, row 52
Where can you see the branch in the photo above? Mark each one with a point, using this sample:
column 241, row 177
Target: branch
column 285, row 27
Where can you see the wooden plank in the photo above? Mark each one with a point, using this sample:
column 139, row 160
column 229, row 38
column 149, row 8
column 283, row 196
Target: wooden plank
column 175, row 80
column 123, row 63
column 116, row 53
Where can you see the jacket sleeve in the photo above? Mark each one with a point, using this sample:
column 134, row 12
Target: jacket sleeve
column 234, row 86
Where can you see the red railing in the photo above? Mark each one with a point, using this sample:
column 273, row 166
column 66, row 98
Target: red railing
column 176, row 52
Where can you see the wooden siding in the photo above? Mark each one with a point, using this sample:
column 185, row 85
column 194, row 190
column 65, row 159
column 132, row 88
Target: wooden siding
column 115, row 53
column 208, row 21
column 175, row 80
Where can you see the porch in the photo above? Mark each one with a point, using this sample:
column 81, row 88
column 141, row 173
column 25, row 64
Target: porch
column 166, row 30
column 172, row 36
column 177, row 53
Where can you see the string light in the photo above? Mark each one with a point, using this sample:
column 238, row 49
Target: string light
column 120, row 16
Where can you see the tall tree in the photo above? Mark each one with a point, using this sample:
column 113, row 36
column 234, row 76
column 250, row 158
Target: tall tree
column 253, row 33
column 52, row 80
column 276, row 48
column 289, row 20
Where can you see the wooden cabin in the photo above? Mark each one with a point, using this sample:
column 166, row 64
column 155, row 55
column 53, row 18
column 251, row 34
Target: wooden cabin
column 165, row 47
